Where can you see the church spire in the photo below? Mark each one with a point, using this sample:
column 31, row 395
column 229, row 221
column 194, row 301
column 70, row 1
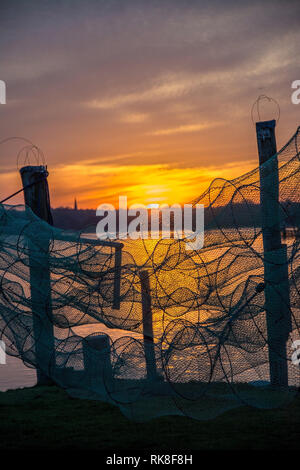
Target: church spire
column 75, row 204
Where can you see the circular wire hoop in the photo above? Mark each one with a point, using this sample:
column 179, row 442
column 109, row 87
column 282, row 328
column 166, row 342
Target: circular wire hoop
column 257, row 103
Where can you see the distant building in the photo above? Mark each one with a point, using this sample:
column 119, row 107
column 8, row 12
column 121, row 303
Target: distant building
column 75, row 205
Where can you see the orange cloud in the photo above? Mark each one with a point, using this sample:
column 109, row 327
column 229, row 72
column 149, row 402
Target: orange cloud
column 145, row 184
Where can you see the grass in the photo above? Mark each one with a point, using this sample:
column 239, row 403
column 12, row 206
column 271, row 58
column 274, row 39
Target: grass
column 41, row 418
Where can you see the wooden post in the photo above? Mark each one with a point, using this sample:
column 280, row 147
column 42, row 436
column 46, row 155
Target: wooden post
column 36, row 195
column 96, row 359
column 36, row 192
column 148, row 326
column 277, row 304
column 117, row 278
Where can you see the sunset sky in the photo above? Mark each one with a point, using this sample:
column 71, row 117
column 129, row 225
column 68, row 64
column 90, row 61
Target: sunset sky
column 149, row 99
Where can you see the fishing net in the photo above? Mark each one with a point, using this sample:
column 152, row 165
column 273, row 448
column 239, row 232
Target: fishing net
column 73, row 308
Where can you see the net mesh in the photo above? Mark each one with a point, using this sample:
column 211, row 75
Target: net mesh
column 216, row 338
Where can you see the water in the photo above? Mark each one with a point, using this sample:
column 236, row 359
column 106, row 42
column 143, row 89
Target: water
column 14, row 374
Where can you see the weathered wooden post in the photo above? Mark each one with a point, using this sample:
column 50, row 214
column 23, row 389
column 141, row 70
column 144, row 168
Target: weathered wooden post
column 148, row 326
column 36, row 191
column 36, row 196
column 277, row 304
column 117, row 278
column 96, row 360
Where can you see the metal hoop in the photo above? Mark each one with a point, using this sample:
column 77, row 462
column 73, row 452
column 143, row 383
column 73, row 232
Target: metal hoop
column 257, row 102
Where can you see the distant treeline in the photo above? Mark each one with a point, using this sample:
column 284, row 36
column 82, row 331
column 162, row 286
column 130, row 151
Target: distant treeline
column 240, row 215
